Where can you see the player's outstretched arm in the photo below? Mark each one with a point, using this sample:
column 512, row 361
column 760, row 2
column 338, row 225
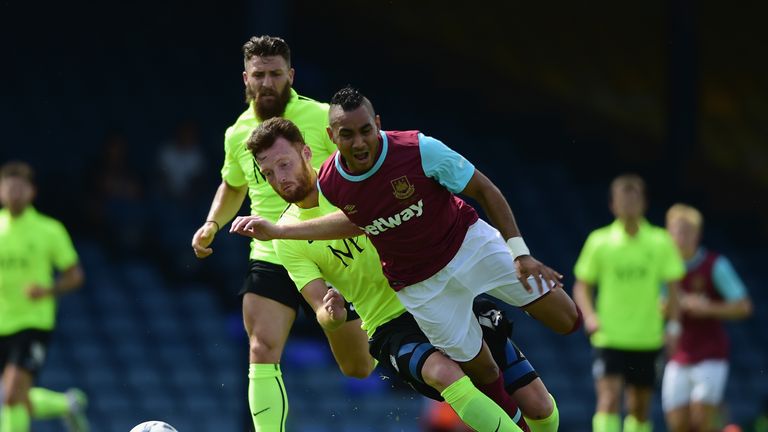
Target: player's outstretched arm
column 494, row 204
column 329, row 227
column 224, row 207
column 481, row 189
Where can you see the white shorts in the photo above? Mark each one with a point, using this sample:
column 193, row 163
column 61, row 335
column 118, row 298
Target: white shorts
column 442, row 304
column 702, row 382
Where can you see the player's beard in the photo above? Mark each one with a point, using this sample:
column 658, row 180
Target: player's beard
column 267, row 110
column 302, row 188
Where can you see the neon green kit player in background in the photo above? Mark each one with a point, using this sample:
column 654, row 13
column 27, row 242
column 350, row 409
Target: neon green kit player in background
column 32, row 247
column 270, row 300
column 628, row 261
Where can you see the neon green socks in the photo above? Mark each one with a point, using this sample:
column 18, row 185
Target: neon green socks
column 477, row 410
column 549, row 424
column 48, row 404
column 606, row 422
column 14, row 418
column 266, row 397
column 631, row 424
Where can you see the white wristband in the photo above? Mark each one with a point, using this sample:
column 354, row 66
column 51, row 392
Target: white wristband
column 518, row 247
column 674, row 328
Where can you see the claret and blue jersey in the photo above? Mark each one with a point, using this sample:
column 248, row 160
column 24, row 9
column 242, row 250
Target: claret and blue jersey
column 406, row 203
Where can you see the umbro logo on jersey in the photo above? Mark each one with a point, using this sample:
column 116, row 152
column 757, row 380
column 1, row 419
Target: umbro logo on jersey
column 350, row 208
column 381, row 224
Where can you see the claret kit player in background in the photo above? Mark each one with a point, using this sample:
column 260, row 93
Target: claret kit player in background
column 712, row 291
column 270, row 300
column 437, row 254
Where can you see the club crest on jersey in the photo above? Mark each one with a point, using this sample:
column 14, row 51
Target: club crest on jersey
column 403, row 189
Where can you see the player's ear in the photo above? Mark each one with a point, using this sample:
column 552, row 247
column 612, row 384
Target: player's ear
column 291, row 75
column 330, row 132
column 245, row 77
column 307, row 153
column 377, row 120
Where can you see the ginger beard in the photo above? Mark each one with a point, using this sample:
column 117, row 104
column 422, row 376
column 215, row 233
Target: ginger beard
column 299, row 188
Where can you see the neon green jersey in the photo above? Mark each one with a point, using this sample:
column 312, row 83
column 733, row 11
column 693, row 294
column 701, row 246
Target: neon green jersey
column 629, row 272
column 240, row 167
column 32, row 246
column 351, row 265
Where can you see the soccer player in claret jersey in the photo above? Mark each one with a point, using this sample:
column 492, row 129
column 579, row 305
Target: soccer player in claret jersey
column 32, row 248
column 270, row 300
column 352, row 265
column 711, row 291
column 398, row 187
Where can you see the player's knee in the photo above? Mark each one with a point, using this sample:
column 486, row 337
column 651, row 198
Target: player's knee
column 699, row 423
column 439, row 372
column 262, row 350
column 356, row 369
column 356, row 372
column 608, row 401
column 16, row 388
column 14, row 396
column 537, row 406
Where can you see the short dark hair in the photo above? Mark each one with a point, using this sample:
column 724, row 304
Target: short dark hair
column 264, row 136
column 266, row 46
column 17, row 169
column 349, row 98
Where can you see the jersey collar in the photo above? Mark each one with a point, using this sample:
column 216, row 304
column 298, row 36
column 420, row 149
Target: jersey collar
column 618, row 228
column 28, row 213
column 358, row 178
column 697, row 258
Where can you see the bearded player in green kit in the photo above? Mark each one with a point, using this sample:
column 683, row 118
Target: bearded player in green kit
column 270, row 300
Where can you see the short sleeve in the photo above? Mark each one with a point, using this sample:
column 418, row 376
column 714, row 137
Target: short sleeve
column 448, row 167
column 727, row 281
column 231, row 171
column 587, row 265
column 63, row 254
column 301, row 269
column 672, row 264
